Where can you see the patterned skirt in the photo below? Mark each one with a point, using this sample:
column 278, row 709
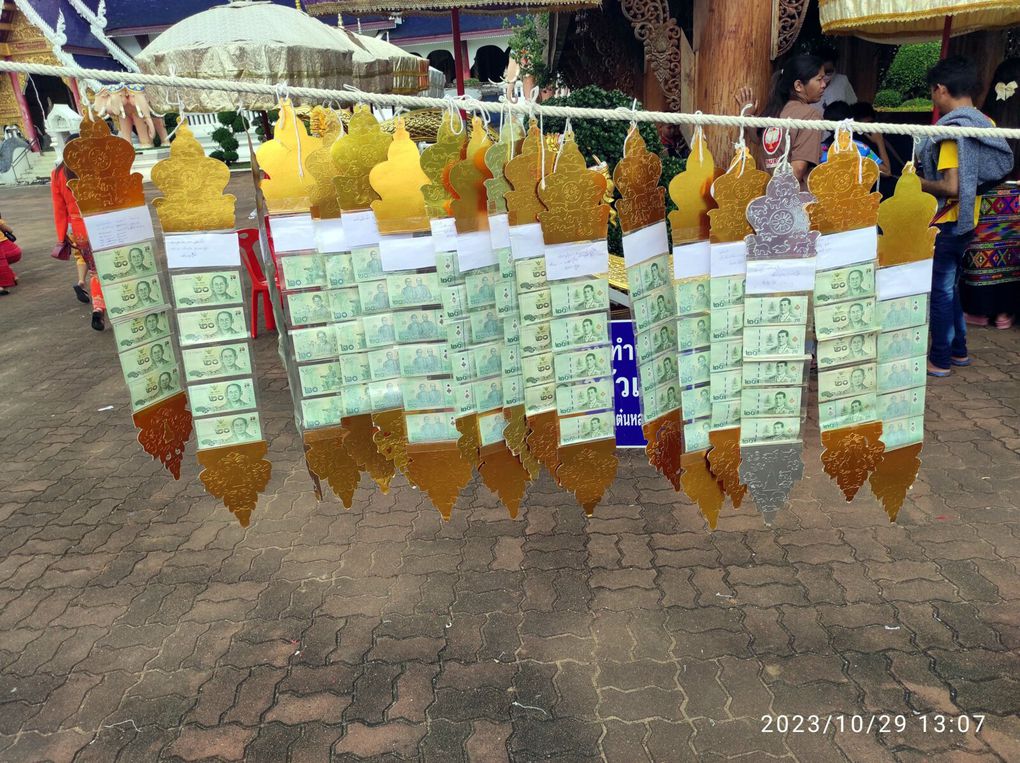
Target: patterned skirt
column 991, row 266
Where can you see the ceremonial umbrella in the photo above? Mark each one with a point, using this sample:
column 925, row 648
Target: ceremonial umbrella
column 381, row 67
column 905, row 21
column 453, row 7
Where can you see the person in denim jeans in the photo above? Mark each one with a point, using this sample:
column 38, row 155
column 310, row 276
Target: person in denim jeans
column 953, row 171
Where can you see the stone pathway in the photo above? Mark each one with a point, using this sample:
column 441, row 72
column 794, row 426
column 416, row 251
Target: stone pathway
column 138, row 621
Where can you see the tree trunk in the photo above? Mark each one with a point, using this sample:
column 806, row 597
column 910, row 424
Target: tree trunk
column 733, row 50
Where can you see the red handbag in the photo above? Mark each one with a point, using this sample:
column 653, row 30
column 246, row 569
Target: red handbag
column 61, row 251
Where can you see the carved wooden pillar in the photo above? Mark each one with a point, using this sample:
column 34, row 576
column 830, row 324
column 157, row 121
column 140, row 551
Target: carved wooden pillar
column 664, row 45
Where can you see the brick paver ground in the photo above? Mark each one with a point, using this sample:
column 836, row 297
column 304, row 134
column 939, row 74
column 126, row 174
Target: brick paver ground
column 138, row 621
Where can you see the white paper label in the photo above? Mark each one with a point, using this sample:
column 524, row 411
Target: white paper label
column 404, row 251
column 905, row 280
column 780, row 276
column 330, row 237
column 202, row 250
column 526, row 241
column 474, row 251
column 584, row 258
column 360, row 228
column 499, row 231
column 444, row 234
column 125, row 226
column 645, row 243
column 692, row 260
column 837, row 250
column 729, row 259
column 292, row 233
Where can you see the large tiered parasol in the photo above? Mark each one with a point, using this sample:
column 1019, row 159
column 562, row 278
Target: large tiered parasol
column 381, row 67
column 453, row 7
column 903, row 21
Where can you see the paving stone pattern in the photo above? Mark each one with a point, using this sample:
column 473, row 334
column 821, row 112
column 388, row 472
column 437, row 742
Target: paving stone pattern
column 139, row 622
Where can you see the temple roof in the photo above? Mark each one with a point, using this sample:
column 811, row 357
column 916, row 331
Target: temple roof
column 414, row 27
column 79, row 36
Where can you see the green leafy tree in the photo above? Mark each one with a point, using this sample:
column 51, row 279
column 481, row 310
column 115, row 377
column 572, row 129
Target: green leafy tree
column 232, row 123
column 906, row 74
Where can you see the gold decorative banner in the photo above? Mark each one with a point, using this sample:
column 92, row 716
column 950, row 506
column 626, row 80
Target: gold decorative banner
column 354, row 155
column 287, row 187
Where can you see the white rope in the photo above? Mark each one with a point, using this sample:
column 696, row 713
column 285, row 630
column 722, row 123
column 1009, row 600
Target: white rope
column 621, row 114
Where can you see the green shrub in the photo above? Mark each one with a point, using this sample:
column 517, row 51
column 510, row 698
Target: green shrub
column 919, row 104
column 221, row 134
column 888, row 98
column 909, row 67
column 232, row 123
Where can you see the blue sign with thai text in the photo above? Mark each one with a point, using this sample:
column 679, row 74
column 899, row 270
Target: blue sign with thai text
column 625, row 383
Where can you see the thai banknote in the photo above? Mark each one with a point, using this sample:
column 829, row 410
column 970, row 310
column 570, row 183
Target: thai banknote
column 505, row 256
column 344, row 304
column 661, row 400
column 662, row 370
column 513, row 390
column 506, row 298
column 907, row 402
column 385, row 395
column 384, row 363
column 422, row 394
column 726, row 385
column 770, row 401
column 535, row 306
column 854, row 282
column 853, row 348
column 769, row 430
column 367, row 264
column 658, row 306
column 485, row 326
column 856, row 316
column 655, row 341
column 692, row 296
column 763, row 372
column 458, row 334
column 223, row 325
column 424, row 359
column 725, row 413
column 321, row 411
column 417, row 290
column 512, row 329
column 586, row 428
column 593, row 363
column 903, row 312
column 314, row 343
column 696, row 435
column 773, row 341
column 373, row 297
column 350, row 336
column 726, row 355
column 356, row 401
column 354, row 368
column 339, row 269
column 464, row 400
column 145, row 328
column 419, row 325
column 530, row 275
column 447, row 268
column 510, row 360
column 206, row 289
column 302, row 271
column 125, row 262
column 579, row 331
column 694, row 333
column 580, row 296
column 901, row 374
column 727, row 323
column 481, row 288
column 462, row 366
column 454, row 301
column 490, row 428
column 648, row 276
column 843, row 382
column 537, row 369
column 536, row 338
column 205, row 363
column 847, row 411
column 694, row 367
column 221, row 397
column 321, row 378
column 153, row 387
column 431, row 427
column 488, row 394
column 489, row 359
column 775, row 311
column 155, row 356
column 905, row 343
column 220, row 431
column 137, row 296
column 379, row 330
column 900, row 432
column 696, row 402
column 308, row 307
column 726, row 291
column 580, row 398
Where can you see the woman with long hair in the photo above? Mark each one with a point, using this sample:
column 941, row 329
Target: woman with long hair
column 795, row 87
column 71, row 228
column 990, row 288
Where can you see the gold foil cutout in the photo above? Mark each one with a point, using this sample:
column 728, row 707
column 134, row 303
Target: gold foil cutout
column 496, row 157
column 516, row 433
column 467, row 178
column 643, row 200
column 355, row 154
column 470, row 438
column 398, row 181
column 328, row 459
column 236, row 475
column 664, row 436
column 391, row 437
column 851, row 455
column 360, row 444
column 319, row 164
column 164, row 430
column 102, row 163
column 840, row 186
column 523, row 173
column 905, row 217
column 691, row 191
column 503, row 474
column 894, row 476
column 732, row 192
column 724, row 458
column 437, row 159
column 701, row 486
column 192, row 184
column 287, row 187
column 440, row 472
column 573, row 197
column 587, row 470
column 543, row 439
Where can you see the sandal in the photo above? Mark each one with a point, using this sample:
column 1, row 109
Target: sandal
column 4, row 292
column 83, row 296
column 1004, row 322
column 963, row 362
column 937, row 372
column 97, row 320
